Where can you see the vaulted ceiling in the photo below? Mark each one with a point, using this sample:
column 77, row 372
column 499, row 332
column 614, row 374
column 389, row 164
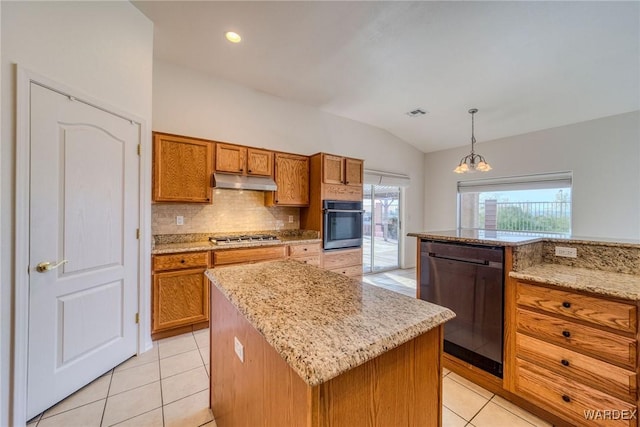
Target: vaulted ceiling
column 525, row 65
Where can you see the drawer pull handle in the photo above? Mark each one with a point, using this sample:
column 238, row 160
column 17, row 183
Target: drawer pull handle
column 564, row 362
column 566, row 304
column 182, row 261
column 305, row 249
column 566, row 398
column 566, row 334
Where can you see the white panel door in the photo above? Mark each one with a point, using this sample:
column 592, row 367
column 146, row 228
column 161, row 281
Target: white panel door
column 83, row 213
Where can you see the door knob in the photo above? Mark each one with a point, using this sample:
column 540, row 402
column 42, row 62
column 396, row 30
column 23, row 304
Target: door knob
column 46, row 266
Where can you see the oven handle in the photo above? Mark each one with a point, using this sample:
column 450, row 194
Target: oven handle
column 343, row 210
column 467, row 260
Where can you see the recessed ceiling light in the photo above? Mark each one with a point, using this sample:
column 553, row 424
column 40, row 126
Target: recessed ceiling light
column 233, row 37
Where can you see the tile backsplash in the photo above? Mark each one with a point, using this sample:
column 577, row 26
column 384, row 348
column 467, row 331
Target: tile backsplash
column 231, row 211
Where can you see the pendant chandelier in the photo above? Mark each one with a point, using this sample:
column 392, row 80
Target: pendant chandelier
column 472, row 162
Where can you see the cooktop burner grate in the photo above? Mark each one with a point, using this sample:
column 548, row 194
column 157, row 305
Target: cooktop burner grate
column 243, row 239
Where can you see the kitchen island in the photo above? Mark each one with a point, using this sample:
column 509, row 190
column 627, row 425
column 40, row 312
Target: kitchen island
column 295, row 345
column 570, row 321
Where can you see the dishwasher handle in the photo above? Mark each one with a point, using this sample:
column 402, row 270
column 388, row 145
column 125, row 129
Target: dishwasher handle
column 483, row 262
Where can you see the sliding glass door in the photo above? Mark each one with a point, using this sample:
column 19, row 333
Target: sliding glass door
column 381, row 228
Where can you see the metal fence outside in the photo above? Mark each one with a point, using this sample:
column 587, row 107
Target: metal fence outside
column 553, row 217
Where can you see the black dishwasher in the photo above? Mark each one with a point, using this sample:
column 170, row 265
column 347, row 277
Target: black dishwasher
column 469, row 280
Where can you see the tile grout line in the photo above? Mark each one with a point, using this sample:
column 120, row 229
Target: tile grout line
column 511, row 412
column 106, row 399
column 470, row 389
column 161, row 394
column 480, row 410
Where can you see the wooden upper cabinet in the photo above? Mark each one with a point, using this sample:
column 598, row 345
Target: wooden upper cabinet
column 353, row 171
column 292, row 178
column 237, row 159
column 230, row 158
column 259, row 162
column 341, row 170
column 182, row 169
column 332, row 169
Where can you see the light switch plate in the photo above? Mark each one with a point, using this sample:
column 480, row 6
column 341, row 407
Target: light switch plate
column 290, row 218
column 239, row 349
column 179, row 220
column 566, row 252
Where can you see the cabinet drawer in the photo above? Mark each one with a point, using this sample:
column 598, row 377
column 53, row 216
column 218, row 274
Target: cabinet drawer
column 593, row 372
column 342, row 258
column 602, row 312
column 351, row 271
column 310, row 260
column 248, row 255
column 600, row 344
column 181, row 260
column 304, row 250
column 569, row 397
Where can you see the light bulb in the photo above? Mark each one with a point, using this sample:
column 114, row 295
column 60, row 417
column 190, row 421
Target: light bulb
column 233, row 37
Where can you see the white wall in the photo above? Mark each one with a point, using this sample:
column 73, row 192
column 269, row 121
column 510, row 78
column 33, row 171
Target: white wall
column 190, row 103
column 102, row 49
column 604, row 155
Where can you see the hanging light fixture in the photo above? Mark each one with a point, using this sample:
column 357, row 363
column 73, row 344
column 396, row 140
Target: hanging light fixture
column 472, row 162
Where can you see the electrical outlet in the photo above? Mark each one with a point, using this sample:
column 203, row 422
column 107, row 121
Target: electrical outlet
column 179, row 220
column 290, row 218
column 239, row 349
column 566, row 252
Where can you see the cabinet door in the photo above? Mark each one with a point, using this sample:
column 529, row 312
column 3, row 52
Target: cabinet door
column 332, row 169
column 292, row 178
column 230, row 158
column 179, row 298
column 259, row 162
column 353, row 171
column 182, row 169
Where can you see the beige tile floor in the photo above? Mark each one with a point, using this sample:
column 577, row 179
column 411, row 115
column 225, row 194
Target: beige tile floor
column 168, row 386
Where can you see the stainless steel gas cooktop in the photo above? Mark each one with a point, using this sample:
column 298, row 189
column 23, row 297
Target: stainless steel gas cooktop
column 243, row 239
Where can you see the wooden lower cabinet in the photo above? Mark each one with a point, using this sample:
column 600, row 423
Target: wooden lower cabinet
column 248, row 255
column 344, row 261
column 575, row 355
column 306, row 253
column 180, row 293
column 572, row 399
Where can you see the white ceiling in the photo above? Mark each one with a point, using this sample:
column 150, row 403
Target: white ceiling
column 525, row 65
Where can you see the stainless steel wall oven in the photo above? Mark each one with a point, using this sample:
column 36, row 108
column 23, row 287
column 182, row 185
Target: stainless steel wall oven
column 342, row 224
column 469, row 280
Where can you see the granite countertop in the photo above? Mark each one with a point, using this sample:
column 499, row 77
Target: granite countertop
column 626, row 286
column 483, row 237
column 205, row 245
column 501, row 238
column 323, row 323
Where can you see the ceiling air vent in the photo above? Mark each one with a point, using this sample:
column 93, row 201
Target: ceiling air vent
column 416, row 113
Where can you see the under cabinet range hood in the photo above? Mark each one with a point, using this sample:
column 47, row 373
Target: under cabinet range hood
column 243, row 182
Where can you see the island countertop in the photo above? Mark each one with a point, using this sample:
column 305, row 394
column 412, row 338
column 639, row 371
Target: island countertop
column 323, row 323
column 618, row 285
column 510, row 238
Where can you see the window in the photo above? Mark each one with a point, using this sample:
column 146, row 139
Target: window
column 531, row 204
